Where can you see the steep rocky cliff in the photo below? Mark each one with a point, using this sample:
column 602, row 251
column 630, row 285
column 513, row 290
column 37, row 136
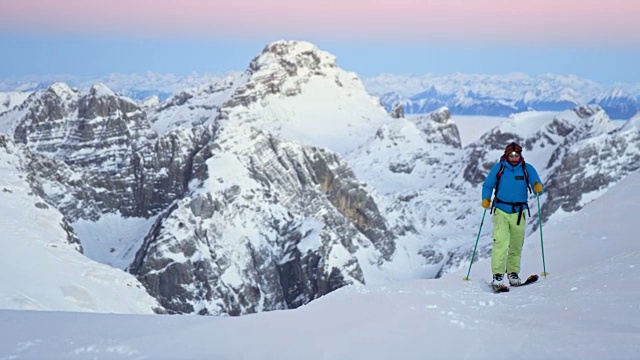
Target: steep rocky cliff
column 268, row 189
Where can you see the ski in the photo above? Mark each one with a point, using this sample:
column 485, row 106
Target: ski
column 499, row 288
column 504, row 288
column 530, row 280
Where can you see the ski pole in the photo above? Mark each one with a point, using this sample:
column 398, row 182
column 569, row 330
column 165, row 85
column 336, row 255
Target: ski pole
column 475, row 247
column 544, row 266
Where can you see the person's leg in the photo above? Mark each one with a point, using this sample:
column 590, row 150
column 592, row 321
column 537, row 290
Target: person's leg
column 516, row 233
column 501, row 235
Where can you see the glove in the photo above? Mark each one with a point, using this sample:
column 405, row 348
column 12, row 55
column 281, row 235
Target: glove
column 486, row 203
column 537, row 188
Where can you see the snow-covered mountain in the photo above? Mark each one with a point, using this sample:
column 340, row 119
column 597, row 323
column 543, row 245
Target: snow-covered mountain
column 9, row 100
column 618, row 103
column 501, row 95
column 42, row 265
column 272, row 188
column 136, row 86
column 586, row 308
column 463, row 94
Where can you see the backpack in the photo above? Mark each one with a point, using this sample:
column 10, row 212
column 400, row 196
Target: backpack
column 495, row 194
column 501, row 171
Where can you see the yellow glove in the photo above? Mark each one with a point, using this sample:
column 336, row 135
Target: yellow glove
column 486, row 203
column 537, row 188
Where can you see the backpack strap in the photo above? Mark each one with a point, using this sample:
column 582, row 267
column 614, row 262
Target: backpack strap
column 517, row 205
column 495, row 192
column 526, row 175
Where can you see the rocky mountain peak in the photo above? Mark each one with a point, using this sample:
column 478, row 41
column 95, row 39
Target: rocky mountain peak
column 296, row 91
column 273, row 188
column 586, row 111
column 441, row 115
column 594, row 120
column 282, row 68
column 100, row 89
column 62, row 91
column 102, row 102
column 294, row 58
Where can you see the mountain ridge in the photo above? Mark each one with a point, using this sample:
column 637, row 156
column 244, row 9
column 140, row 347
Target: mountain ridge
column 275, row 187
column 469, row 94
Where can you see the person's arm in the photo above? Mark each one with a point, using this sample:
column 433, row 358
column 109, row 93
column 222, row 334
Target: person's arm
column 534, row 180
column 490, row 182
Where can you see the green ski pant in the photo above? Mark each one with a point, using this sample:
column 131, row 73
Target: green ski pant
column 508, row 239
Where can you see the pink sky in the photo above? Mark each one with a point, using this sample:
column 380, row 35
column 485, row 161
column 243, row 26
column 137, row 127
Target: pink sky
column 578, row 22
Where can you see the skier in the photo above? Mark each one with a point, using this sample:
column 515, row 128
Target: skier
column 511, row 177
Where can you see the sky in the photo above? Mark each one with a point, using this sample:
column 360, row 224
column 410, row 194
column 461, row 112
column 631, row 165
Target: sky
column 586, row 308
column 591, row 38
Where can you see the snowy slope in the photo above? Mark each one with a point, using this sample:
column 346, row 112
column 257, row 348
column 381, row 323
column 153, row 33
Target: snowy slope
column 586, row 308
column 296, row 91
column 293, row 172
column 9, row 100
column 40, row 269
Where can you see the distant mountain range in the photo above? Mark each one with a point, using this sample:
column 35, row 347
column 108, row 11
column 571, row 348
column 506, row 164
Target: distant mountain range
column 502, row 95
column 463, row 94
column 268, row 189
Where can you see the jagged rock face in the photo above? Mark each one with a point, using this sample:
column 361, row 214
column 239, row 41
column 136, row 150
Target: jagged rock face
column 591, row 168
column 294, row 229
column 174, row 160
column 46, row 112
column 102, row 157
column 248, row 221
column 592, row 122
column 575, row 170
column 479, row 161
column 282, row 68
column 193, row 107
column 438, row 128
column 19, row 160
column 408, row 151
column 554, row 137
column 154, row 178
column 397, row 112
column 97, row 130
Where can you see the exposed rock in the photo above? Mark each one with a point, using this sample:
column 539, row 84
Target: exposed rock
column 295, row 189
column 282, row 68
column 591, row 168
column 397, row 112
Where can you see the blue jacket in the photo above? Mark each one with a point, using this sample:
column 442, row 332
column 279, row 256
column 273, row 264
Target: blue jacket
column 513, row 187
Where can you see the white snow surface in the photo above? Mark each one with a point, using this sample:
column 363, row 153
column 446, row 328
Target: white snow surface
column 9, row 100
column 40, row 270
column 586, row 308
column 113, row 239
column 351, row 121
column 322, row 105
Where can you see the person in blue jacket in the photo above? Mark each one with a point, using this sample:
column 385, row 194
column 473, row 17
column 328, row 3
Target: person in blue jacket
column 511, row 178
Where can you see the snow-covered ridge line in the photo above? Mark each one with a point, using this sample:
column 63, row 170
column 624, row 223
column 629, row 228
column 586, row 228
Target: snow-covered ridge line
column 271, row 189
column 497, row 86
column 502, row 95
